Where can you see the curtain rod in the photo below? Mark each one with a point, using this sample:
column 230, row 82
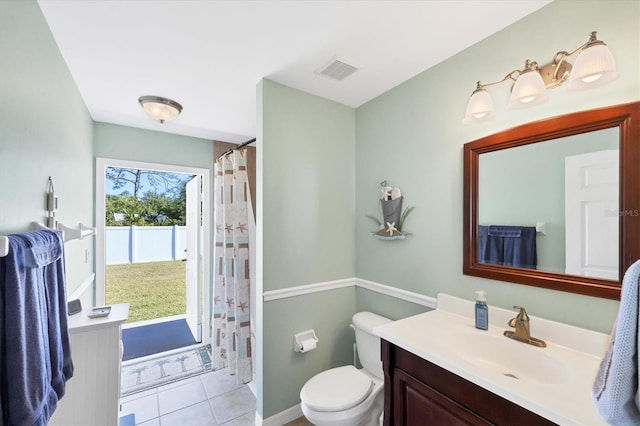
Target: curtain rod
column 243, row 144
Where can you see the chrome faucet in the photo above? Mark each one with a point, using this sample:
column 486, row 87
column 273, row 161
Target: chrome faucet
column 522, row 333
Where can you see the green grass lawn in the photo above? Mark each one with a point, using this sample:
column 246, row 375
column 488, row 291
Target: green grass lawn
column 153, row 290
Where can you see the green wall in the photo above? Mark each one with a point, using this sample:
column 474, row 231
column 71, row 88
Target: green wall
column 128, row 143
column 413, row 137
column 306, row 163
column 45, row 130
column 387, row 306
column 308, row 188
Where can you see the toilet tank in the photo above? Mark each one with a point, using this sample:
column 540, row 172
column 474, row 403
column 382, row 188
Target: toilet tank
column 368, row 344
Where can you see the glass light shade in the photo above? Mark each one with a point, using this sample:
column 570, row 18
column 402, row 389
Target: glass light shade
column 479, row 108
column 160, row 112
column 160, row 109
column 594, row 67
column 528, row 90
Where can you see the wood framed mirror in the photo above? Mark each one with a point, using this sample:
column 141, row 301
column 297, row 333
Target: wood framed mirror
column 620, row 123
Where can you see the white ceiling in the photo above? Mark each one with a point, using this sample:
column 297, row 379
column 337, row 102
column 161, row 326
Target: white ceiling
column 209, row 55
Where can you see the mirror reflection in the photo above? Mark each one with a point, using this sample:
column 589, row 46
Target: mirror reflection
column 574, row 249
column 552, row 206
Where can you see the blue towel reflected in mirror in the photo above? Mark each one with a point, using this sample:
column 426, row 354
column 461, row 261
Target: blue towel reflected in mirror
column 507, row 246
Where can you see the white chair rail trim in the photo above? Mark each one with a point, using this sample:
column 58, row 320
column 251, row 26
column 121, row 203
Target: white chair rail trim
column 398, row 293
column 307, row 289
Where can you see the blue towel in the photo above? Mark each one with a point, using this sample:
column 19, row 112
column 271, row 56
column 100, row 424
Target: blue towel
column 508, row 246
column 35, row 353
column 505, row 231
column 615, row 389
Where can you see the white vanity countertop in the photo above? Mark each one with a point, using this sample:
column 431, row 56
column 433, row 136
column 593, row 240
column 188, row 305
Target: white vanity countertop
column 81, row 321
column 437, row 336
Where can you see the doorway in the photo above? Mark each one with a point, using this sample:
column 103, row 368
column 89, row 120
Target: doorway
column 195, row 246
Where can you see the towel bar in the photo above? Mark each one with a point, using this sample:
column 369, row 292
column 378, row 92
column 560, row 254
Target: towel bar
column 4, row 246
column 67, row 235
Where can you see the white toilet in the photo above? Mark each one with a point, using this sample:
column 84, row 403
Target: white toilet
column 345, row 395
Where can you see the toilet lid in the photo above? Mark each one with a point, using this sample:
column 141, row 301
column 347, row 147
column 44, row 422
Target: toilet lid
column 337, row 389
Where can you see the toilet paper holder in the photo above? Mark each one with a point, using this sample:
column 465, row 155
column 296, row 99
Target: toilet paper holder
column 305, row 337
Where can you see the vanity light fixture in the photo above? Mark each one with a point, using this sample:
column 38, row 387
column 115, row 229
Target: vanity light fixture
column 594, row 66
column 161, row 109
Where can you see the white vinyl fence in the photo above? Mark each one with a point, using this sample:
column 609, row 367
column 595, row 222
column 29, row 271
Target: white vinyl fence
column 134, row 244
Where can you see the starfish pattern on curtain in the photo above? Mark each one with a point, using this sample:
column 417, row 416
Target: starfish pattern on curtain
column 231, row 345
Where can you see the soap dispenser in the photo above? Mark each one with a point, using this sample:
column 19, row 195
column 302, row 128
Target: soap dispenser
column 482, row 311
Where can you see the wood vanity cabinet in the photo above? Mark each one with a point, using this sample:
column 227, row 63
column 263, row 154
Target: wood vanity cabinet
column 418, row 392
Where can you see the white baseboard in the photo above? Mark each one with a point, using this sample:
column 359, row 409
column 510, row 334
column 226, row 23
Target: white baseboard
column 253, row 387
column 283, row 417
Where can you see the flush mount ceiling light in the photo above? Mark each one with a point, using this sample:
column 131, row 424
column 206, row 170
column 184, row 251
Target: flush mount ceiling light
column 161, row 109
column 594, row 67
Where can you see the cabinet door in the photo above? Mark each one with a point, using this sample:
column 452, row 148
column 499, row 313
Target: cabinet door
column 93, row 393
column 416, row 403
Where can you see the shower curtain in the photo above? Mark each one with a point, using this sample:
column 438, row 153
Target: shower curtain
column 231, row 343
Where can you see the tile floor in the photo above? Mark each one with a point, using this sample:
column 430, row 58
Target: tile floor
column 212, row 399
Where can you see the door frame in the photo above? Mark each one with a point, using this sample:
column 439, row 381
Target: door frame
column 100, row 209
column 193, row 222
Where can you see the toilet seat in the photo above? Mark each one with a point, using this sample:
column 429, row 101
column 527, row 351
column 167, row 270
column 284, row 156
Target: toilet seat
column 337, row 389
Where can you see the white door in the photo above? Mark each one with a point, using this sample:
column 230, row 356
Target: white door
column 591, row 214
column 194, row 257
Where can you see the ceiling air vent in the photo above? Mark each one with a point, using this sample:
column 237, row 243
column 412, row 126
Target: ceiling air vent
column 338, row 69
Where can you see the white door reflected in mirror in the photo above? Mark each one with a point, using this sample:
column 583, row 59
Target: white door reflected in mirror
column 591, row 214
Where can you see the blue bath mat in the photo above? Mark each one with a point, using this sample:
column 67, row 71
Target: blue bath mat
column 155, row 338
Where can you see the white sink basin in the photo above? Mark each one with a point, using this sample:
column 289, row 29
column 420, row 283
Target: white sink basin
column 510, row 358
column 554, row 382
